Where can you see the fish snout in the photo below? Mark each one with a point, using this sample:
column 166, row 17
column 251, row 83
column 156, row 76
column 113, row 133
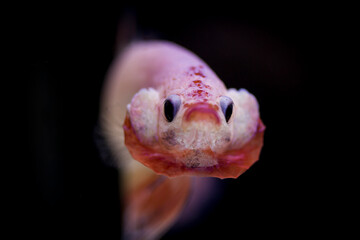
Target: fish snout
column 202, row 112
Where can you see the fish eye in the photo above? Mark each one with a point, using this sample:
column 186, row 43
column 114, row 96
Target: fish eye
column 226, row 105
column 171, row 107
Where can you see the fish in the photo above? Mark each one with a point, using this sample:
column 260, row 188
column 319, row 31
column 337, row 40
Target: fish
column 170, row 121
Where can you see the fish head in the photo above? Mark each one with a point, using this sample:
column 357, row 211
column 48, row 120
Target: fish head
column 177, row 135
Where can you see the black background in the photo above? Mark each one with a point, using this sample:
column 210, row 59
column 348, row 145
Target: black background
column 277, row 53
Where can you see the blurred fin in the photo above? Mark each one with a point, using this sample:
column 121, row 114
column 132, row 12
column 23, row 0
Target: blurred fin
column 103, row 148
column 204, row 195
column 127, row 29
column 130, row 30
column 154, row 207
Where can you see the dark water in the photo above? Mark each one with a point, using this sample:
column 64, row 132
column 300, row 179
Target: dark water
column 276, row 54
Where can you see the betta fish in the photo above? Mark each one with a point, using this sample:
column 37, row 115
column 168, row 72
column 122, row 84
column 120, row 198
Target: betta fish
column 167, row 119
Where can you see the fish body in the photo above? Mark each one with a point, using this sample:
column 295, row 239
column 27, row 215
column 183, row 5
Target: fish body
column 164, row 107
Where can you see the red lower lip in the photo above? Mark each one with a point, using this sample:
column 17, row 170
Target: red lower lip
column 201, row 112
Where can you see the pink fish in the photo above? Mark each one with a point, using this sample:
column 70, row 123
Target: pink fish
column 164, row 107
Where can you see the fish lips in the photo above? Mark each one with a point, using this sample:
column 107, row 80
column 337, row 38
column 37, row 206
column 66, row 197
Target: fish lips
column 202, row 112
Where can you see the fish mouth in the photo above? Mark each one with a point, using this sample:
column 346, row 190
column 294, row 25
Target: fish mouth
column 202, row 112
